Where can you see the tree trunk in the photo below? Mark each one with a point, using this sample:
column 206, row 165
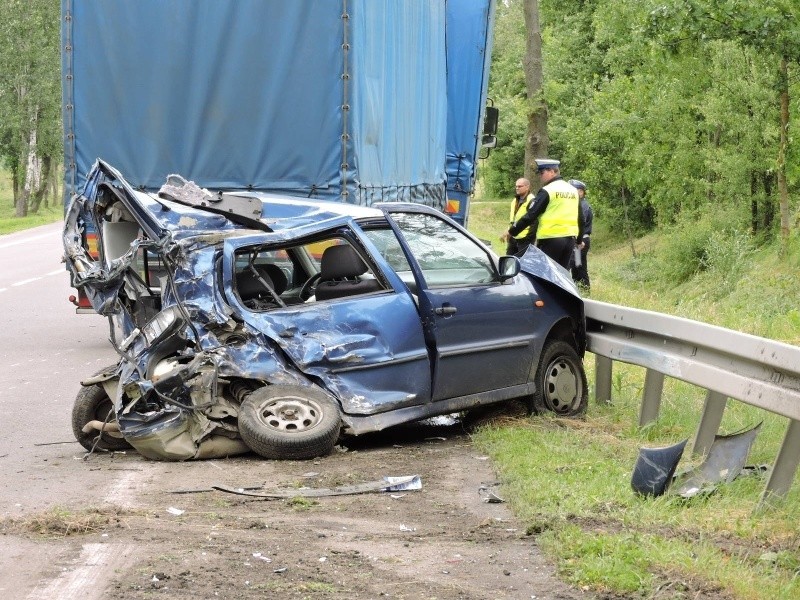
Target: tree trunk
column 15, row 184
column 753, row 203
column 627, row 224
column 40, row 193
column 536, row 139
column 53, row 183
column 768, row 209
column 783, row 189
column 32, row 171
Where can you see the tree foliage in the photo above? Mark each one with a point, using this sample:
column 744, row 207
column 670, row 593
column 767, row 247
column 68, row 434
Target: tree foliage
column 666, row 109
column 30, row 94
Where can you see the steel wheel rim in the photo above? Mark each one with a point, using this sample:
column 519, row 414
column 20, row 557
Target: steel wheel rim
column 562, row 386
column 290, row 414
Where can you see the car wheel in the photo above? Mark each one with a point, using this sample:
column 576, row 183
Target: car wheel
column 289, row 422
column 93, row 404
column 561, row 385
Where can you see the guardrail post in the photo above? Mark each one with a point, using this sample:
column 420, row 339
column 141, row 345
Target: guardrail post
column 602, row 378
column 651, row 399
column 709, row 422
column 780, row 480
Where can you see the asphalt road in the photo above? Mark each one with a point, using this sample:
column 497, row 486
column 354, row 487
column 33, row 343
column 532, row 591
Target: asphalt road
column 45, row 350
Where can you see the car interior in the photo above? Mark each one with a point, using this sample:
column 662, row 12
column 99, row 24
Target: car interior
column 317, row 271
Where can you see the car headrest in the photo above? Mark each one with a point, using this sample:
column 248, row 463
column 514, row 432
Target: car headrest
column 249, row 286
column 279, row 281
column 339, row 262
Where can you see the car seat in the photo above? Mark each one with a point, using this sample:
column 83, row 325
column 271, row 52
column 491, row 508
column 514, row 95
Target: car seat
column 251, row 288
column 340, row 274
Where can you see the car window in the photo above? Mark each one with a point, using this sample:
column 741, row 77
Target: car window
column 324, row 269
column 387, row 244
column 446, row 256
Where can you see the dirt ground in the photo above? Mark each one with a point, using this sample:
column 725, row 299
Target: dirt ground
column 441, row 542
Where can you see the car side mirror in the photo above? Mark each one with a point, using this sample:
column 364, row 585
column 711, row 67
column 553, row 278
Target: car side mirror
column 508, row 267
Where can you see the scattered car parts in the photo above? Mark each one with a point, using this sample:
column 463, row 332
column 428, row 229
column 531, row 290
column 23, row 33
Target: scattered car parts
column 654, row 471
column 724, row 462
column 655, row 468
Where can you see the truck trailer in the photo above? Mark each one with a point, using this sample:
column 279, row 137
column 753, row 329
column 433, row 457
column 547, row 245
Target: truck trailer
column 360, row 101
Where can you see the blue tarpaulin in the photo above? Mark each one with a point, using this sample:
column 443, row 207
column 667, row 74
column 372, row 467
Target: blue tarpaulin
column 356, row 100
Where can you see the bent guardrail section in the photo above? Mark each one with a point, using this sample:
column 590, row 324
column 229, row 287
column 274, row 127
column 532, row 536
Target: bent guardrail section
column 729, row 364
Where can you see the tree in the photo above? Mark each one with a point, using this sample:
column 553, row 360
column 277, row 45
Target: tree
column 29, row 94
column 537, row 141
column 769, row 27
column 507, row 90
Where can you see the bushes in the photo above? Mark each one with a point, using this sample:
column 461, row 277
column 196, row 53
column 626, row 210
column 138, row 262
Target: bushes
column 710, row 241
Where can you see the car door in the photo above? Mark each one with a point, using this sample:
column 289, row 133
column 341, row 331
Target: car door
column 368, row 349
column 483, row 329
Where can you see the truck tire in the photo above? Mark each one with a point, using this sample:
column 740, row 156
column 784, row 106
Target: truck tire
column 93, row 404
column 289, row 422
column 561, row 385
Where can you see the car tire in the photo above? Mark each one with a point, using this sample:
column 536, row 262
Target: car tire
column 93, row 404
column 561, row 386
column 289, row 422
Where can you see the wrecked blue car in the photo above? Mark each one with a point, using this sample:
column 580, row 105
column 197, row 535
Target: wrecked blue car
column 253, row 322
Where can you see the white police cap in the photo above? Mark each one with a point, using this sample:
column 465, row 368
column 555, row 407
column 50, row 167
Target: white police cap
column 547, row 163
column 577, row 183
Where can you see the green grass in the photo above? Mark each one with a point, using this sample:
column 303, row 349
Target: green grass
column 569, row 480
column 488, row 219
column 10, row 223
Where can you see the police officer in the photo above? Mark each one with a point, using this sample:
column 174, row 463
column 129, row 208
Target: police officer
column 580, row 272
column 556, row 206
column 518, row 244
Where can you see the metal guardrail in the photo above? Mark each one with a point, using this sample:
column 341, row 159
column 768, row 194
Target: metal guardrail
column 728, row 364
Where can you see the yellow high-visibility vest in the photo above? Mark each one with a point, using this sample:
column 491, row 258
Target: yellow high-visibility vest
column 560, row 218
column 518, row 212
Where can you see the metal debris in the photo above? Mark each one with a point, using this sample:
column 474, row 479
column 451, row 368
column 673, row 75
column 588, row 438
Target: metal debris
column 257, row 486
column 654, row 469
column 724, row 462
column 387, row 484
column 488, row 495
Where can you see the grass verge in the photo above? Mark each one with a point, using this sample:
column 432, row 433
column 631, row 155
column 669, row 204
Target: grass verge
column 569, row 480
column 10, row 223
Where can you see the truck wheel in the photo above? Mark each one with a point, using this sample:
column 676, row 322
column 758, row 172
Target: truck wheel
column 560, row 381
column 93, row 404
column 289, row 422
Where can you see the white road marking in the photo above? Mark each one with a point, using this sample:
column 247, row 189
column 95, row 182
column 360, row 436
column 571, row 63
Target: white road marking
column 88, row 579
column 32, row 279
column 122, row 491
column 26, row 240
column 24, row 281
